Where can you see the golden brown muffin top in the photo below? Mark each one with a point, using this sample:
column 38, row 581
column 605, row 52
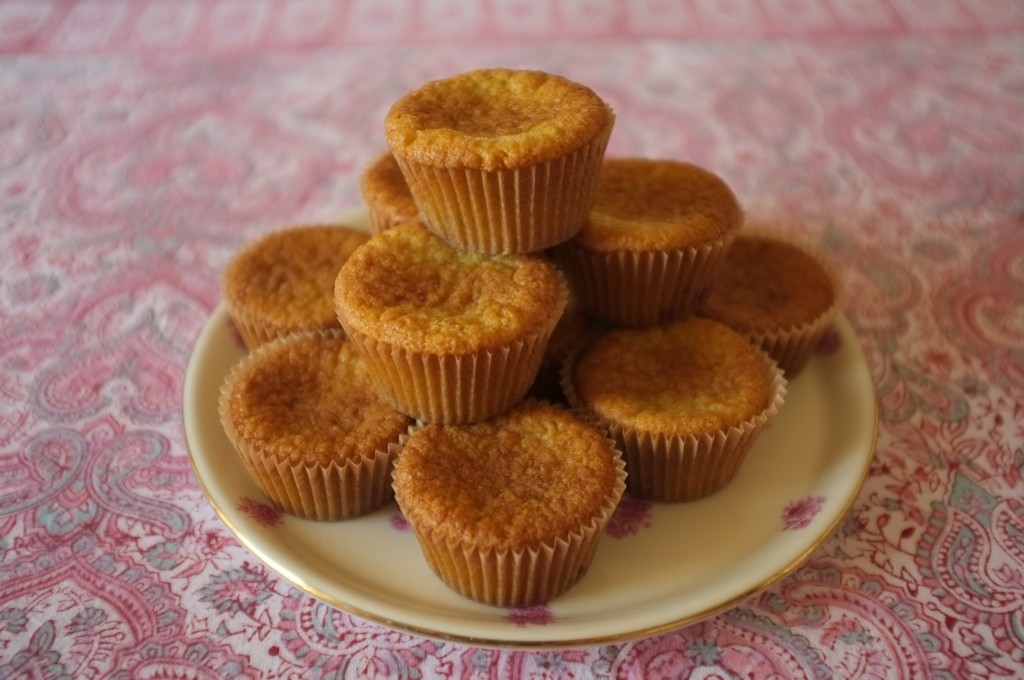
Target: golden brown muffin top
column 286, row 278
column 648, row 204
column 493, row 119
column 384, row 188
column 408, row 287
column 766, row 284
column 308, row 398
column 518, row 480
column 688, row 377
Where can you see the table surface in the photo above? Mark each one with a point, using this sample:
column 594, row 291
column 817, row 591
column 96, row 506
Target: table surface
column 141, row 143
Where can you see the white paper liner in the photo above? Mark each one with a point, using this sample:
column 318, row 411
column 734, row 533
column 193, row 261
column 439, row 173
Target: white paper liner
column 641, row 288
column 452, row 388
column 515, row 578
column 254, row 334
column 673, row 468
column 339, row 489
column 257, row 330
column 792, row 348
column 520, row 210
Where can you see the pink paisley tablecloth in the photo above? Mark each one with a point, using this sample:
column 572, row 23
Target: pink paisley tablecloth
column 142, row 142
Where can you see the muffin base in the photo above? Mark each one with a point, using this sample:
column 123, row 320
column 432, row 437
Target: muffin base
column 640, row 289
column 256, row 333
column 792, row 348
column 452, row 388
column 673, row 468
column 520, row 210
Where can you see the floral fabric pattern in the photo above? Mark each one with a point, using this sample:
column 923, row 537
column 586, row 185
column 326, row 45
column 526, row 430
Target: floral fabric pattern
column 141, row 143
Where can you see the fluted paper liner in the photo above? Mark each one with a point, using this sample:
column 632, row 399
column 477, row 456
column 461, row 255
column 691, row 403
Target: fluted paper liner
column 516, row 578
column 452, row 389
column 340, row 489
column 793, row 347
column 256, row 332
column 520, row 210
column 674, row 468
column 640, row 289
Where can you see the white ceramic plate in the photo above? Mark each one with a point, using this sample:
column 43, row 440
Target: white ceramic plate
column 659, row 566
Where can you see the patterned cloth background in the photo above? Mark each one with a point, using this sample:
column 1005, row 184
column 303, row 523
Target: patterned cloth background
column 142, row 142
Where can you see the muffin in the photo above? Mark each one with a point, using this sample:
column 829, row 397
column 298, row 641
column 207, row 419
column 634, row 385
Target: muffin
column 305, row 418
column 652, row 243
column 778, row 295
column 283, row 282
column 450, row 336
column 386, row 195
column 684, row 402
column 509, row 511
column 499, row 160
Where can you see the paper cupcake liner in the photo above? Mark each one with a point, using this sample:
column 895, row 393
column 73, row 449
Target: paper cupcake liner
column 258, row 332
column 520, row 210
column 340, row 489
column 792, row 348
column 673, row 468
column 641, row 288
column 516, row 578
column 452, row 389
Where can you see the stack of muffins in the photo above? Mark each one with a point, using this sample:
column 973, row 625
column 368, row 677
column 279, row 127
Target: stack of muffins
column 507, row 251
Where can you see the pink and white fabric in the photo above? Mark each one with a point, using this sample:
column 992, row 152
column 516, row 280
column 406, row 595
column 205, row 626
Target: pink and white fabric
column 141, row 142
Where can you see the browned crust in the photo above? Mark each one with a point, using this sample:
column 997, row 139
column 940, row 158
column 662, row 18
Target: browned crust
column 309, row 400
column 525, row 478
column 284, row 281
column 493, row 119
column 687, row 378
column 408, row 288
column 646, row 204
column 766, row 284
